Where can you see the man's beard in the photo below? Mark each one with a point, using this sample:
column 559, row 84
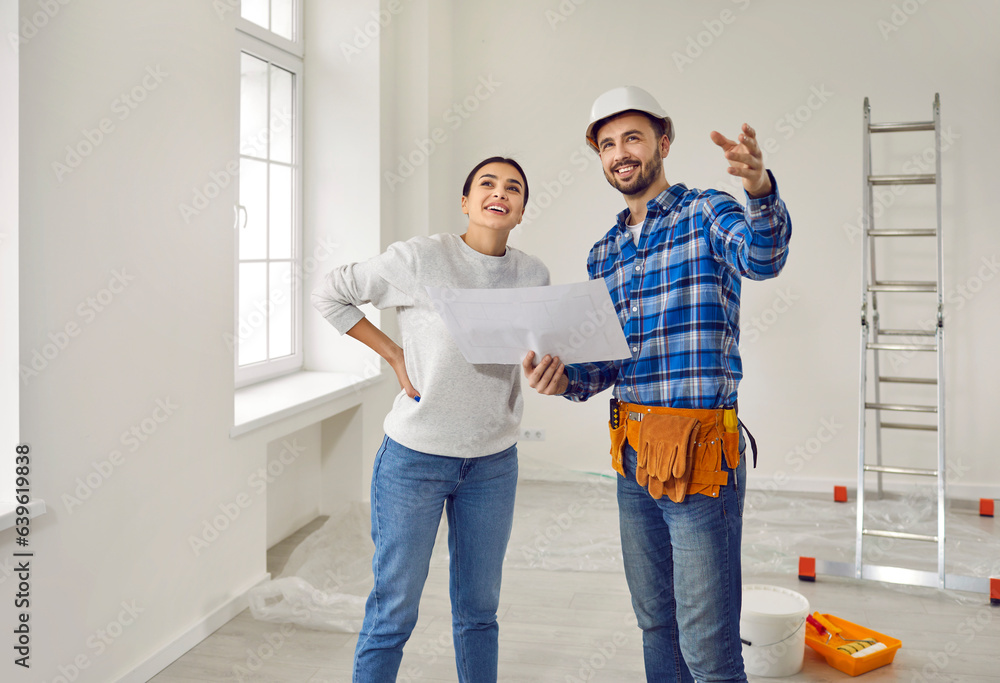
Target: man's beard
column 648, row 172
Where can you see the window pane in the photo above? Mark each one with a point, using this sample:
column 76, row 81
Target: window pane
column 280, row 229
column 255, row 11
column 253, row 106
column 281, row 114
column 282, row 17
column 281, row 310
column 252, row 326
column 253, row 196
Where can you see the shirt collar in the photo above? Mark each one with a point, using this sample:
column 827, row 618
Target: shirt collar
column 661, row 203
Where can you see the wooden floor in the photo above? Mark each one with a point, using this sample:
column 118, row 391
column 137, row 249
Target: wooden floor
column 568, row 626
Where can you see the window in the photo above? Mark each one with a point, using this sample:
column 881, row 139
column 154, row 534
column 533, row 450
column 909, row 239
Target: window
column 277, row 22
column 269, row 218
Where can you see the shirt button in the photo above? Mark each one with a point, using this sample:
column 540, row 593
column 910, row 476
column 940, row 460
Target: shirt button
column 635, row 348
column 635, row 308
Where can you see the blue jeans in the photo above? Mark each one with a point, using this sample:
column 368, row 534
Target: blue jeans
column 409, row 489
column 682, row 564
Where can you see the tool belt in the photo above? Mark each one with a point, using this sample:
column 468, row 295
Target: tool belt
column 679, row 451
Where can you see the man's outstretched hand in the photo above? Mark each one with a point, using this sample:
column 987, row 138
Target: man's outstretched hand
column 745, row 160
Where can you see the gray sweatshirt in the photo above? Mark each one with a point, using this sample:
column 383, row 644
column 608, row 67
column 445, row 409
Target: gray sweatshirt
column 465, row 410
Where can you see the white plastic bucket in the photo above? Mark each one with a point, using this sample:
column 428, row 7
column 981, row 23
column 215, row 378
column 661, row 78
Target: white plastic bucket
column 773, row 630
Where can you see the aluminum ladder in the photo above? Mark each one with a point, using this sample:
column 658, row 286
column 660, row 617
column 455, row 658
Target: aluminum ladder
column 876, row 340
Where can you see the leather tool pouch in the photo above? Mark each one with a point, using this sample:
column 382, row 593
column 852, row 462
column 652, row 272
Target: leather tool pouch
column 666, row 455
column 679, row 452
column 617, row 446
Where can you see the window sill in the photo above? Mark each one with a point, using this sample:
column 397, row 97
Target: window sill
column 264, row 403
column 8, row 512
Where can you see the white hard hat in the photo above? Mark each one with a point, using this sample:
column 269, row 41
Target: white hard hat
column 626, row 98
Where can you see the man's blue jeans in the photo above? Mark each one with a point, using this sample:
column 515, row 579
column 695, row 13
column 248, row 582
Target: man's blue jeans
column 682, row 564
column 409, row 490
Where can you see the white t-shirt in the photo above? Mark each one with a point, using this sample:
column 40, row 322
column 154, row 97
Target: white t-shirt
column 636, row 230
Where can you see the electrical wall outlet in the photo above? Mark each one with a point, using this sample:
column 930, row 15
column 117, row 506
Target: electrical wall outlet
column 531, row 434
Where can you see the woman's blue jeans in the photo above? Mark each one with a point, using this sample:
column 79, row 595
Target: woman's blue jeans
column 682, row 564
column 409, row 490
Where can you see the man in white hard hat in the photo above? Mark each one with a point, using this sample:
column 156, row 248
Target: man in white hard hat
column 673, row 263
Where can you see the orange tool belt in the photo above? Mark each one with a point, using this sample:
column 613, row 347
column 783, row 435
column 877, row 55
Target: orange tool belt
column 679, row 451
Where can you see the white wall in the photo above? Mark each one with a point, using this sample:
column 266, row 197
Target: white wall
column 769, row 61
column 150, row 501
column 149, row 352
column 293, row 496
column 8, row 248
column 341, row 202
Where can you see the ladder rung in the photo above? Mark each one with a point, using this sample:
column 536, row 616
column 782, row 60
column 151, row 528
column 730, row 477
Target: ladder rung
column 882, row 346
column 902, row 286
column 900, row 127
column 908, row 333
column 901, row 470
column 908, row 380
column 906, row 179
column 899, row 534
column 909, row 232
column 901, row 407
column 903, row 425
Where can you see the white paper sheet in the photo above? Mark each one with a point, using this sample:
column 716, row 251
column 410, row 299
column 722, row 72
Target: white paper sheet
column 576, row 322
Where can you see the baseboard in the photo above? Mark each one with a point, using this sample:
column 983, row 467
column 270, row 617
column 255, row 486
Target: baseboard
column 166, row 656
column 955, row 491
column 783, row 482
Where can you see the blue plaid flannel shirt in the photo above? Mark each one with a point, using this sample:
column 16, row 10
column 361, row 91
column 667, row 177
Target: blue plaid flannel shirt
column 677, row 295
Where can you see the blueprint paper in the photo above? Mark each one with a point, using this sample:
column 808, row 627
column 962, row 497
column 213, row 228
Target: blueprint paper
column 576, row 322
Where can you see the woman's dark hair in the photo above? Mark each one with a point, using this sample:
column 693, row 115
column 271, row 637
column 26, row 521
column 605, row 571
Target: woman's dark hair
column 495, row 160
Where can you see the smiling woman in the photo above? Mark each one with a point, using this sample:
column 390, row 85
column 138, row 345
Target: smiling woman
column 451, row 432
column 494, row 197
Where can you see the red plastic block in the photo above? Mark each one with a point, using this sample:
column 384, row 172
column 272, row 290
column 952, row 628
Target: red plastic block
column 807, row 569
column 985, row 507
column 995, row 592
column 840, row 494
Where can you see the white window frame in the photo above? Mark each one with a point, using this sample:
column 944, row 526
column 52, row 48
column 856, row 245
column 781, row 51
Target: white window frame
column 294, row 47
column 263, row 44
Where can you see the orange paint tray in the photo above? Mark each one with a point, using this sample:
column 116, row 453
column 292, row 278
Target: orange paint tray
column 852, row 666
